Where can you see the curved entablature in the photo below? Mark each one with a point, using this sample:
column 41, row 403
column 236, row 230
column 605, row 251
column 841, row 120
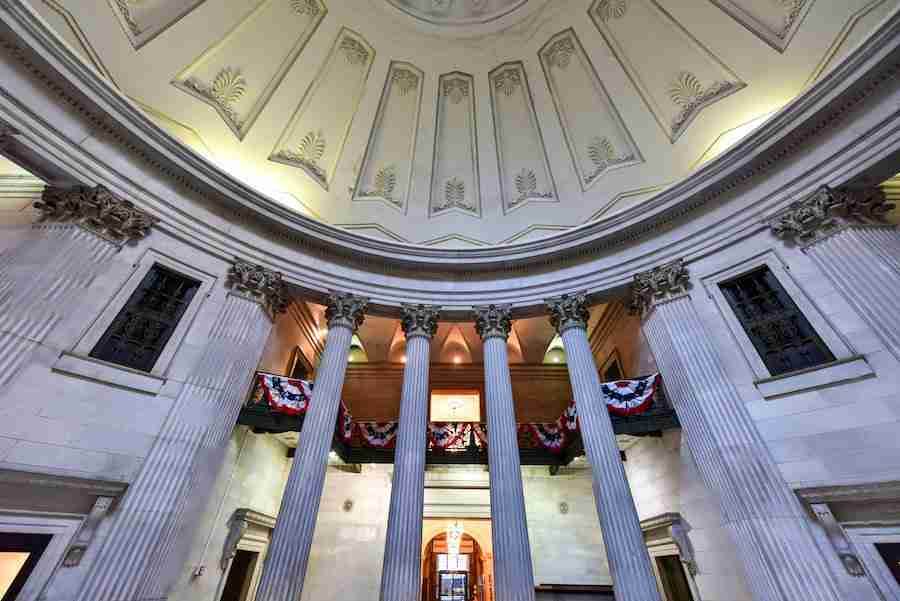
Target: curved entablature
column 725, row 199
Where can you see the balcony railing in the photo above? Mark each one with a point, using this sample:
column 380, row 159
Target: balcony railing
column 469, row 447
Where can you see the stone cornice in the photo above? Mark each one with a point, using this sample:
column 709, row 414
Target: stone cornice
column 568, row 311
column 786, row 136
column 420, row 320
column 657, row 285
column 827, row 211
column 345, row 310
column 493, row 321
column 97, row 210
column 259, row 284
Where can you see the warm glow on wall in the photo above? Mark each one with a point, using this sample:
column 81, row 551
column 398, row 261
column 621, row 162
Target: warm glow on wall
column 10, row 564
column 455, row 406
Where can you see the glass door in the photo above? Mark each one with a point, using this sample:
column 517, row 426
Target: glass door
column 453, row 586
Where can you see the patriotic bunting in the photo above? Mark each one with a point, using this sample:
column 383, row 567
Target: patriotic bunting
column 622, row 398
column 286, row 395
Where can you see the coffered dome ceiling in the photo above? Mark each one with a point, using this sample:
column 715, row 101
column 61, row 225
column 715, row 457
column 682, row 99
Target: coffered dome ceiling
column 461, row 123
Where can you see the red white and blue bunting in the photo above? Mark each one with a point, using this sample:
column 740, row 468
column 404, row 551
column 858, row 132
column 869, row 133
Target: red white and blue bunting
column 622, row 398
column 286, row 395
column 630, row 397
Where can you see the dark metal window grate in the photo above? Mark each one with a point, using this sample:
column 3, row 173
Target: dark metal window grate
column 780, row 333
column 139, row 333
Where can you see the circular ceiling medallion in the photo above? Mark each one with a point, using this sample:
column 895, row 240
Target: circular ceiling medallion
column 457, row 12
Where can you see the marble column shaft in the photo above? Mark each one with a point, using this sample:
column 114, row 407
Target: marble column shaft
column 513, row 571
column 42, row 277
column 401, row 578
column 150, row 526
column 286, row 561
column 771, row 530
column 626, row 551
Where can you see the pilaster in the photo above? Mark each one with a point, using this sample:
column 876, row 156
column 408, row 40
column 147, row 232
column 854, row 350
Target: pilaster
column 844, row 232
column 769, row 526
column 146, row 545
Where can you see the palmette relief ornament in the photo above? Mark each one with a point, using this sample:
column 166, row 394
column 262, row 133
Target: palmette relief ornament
column 258, row 283
column 658, row 284
column 97, row 210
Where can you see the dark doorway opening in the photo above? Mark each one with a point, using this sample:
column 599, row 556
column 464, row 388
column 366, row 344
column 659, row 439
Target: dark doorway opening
column 20, row 552
column 240, row 576
column 674, row 580
column 890, row 553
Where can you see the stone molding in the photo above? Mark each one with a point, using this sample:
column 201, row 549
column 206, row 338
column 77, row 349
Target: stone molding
column 827, row 211
column 856, row 493
column 675, row 527
column 420, row 320
column 346, row 310
column 838, row 539
column 98, row 210
column 658, row 285
column 493, row 321
column 239, row 524
column 568, row 311
column 259, row 284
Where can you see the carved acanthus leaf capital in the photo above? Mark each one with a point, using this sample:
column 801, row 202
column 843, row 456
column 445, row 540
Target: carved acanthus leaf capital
column 658, row 284
column 568, row 312
column 420, row 320
column 345, row 310
column 493, row 321
column 98, row 210
column 259, row 283
column 826, row 210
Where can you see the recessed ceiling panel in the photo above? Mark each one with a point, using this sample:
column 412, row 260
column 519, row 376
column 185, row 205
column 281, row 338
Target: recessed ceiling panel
column 457, row 12
column 455, row 182
column 143, row 20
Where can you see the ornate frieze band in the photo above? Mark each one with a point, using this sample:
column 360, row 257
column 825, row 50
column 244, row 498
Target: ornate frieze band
column 658, row 284
column 260, row 284
column 568, row 312
column 493, row 321
column 346, row 310
column 420, row 320
column 826, row 211
column 98, row 210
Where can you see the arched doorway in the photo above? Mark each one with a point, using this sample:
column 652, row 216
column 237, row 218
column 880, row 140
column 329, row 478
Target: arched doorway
column 462, row 577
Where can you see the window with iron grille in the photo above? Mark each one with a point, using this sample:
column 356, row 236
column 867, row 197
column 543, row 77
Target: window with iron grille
column 780, row 333
column 139, row 333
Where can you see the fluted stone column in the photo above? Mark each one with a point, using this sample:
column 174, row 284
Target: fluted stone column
column 401, row 578
column 151, row 521
column 285, row 567
column 766, row 520
column 629, row 561
column 845, row 233
column 513, row 572
column 43, row 277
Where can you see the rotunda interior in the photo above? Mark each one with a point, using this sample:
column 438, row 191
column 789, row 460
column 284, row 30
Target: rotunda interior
column 449, row 300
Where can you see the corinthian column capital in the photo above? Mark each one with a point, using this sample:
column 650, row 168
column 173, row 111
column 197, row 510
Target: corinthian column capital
column 259, row 284
column 98, row 210
column 568, row 312
column 420, row 320
column 346, row 310
column 824, row 212
column 493, row 321
column 658, row 284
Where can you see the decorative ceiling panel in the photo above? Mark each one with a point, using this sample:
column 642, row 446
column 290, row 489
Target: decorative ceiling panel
column 774, row 21
column 455, row 181
column 238, row 75
column 314, row 138
column 143, row 20
column 524, row 169
column 597, row 138
column 457, row 12
column 677, row 83
column 386, row 174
